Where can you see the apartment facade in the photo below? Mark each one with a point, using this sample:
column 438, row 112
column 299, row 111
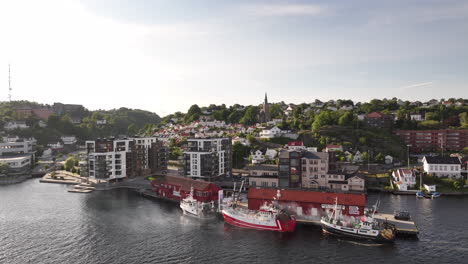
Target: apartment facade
column 428, row 140
column 263, row 176
column 115, row 159
column 378, row 120
column 208, row 158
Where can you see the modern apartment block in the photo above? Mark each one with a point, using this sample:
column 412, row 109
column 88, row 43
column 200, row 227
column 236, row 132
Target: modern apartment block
column 18, row 153
column 300, row 168
column 114, row 159
column 207, row 158
column 428, row 140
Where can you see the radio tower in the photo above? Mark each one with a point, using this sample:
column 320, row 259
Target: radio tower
column 9, row 83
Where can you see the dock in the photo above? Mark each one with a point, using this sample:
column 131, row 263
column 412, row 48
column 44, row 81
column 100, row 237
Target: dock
column 79, row 190
column 402, row 227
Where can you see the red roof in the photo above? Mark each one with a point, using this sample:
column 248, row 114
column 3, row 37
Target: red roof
column 186, row 183
column 375, row 115
column 333, row 146
column 296, row 143
column 308, row 196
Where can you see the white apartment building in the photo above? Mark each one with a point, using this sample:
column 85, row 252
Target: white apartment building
column 19, row 146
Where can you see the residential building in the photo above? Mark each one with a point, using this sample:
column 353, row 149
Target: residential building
column 257, row 157
column 115, row 159
column 18, row 163
column 378, row 120
column 314, row 169
column 442, row 166
column 416, row 117
column 208, row 158
column 388, row 160
column 404, row 179
column 263, row 175
column 270, row 154
column 271, row 133
column 16, row 146
column 68, row 140
column 296, row 145
column 429, row 140
column 333, row 148
column 289, row 169
column 15, row 125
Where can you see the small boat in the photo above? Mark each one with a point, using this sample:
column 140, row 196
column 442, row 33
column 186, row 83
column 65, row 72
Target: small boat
column 367, row 228
column 436, row 194
column 420, row 195
column 190, row 206
column 402, row 215
column 269, row 217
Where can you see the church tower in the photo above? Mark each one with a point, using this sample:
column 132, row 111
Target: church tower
column 265, row 112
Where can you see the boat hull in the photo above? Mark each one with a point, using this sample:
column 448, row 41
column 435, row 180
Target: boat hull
column 340, row 233
column 277, row 225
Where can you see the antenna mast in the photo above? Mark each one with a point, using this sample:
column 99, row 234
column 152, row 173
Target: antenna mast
column 9, row 83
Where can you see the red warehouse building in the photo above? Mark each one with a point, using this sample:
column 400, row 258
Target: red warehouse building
column 177, row 188
column 308, row 205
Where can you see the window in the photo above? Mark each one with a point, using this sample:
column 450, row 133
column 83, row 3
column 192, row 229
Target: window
column 253, row 183
column 264, row 184
column 273, row 184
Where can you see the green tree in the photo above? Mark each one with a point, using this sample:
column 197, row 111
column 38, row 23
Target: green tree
column 346, row 119
column 379, row 158
column 463, row 120
column 193, row 113
column 132, row 129
column 239, row 152
column 250, row 116
column 4, row 167
column 364, row 156
column 322, row 119
column 70, row 163
column 276, row 111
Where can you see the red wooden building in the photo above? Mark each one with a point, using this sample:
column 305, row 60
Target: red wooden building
column 308, row 204
column 177, row 188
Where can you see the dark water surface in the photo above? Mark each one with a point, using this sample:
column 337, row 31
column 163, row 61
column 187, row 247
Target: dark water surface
column 43, row 223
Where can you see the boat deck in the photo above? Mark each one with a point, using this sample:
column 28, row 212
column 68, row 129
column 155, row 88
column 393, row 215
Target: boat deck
column 402, row 227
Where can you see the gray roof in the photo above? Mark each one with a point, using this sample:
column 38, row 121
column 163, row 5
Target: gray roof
column 442, row 160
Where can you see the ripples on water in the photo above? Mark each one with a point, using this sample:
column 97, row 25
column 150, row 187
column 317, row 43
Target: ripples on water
column 42, row 223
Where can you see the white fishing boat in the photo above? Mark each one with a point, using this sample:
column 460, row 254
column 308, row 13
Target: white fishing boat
column 190, row 206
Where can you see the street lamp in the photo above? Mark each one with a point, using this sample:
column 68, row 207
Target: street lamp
column 408, row 146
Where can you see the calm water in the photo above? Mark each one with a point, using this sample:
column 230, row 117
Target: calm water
column 42, row 223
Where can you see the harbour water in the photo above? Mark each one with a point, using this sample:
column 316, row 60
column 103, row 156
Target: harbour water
column 43, row 223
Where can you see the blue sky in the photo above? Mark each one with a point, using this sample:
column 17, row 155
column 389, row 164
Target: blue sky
column 164, row 56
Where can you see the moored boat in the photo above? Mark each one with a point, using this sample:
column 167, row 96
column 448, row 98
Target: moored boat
column 435, row 194
column 190, row 206
column 269, row 217
column 420, row 195
column 366, row 228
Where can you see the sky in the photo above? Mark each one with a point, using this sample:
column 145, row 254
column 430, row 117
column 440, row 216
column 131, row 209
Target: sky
column 165, row 55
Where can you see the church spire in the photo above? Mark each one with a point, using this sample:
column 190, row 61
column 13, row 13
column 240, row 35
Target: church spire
column 266, row 99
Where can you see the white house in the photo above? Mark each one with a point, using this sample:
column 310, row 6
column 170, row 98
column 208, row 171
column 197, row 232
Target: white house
column 361, row 117
column 68, row 140
column 42, row 124
column 271, row 154
column 271, row 133
column 101, row 122
column 243, row 141
column 296, row 145
column 346, row 107
column 288, row 111
column 442, row 166
column 333, row 148
column 357, row 157
column 416, row 117
column 15, row 124
column 388, row 159
column 404, row 179
column 258, row 157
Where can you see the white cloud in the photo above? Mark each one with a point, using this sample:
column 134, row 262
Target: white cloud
column 284, row 9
